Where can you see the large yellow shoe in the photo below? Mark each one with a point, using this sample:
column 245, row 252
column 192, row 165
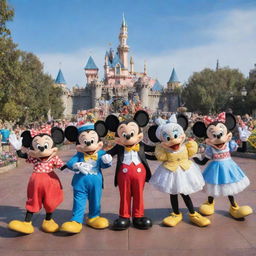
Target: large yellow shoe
column 97, row 222
column 199, row 220
column 172, row 220
column 240, row 212
column 207, row 208
column 50, row 226
column 71, row 227
column 21, row 226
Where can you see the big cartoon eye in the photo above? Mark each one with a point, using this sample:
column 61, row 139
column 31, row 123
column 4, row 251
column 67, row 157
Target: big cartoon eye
column 175, row 134
column 46, row 145
column 92, row 141
column 214, row 135
column 168, row 138
column 38, row 146
column 132, row 133
column 124, row 134
column 221, row 134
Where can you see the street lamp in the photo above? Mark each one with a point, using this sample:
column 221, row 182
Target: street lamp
column 243, row 92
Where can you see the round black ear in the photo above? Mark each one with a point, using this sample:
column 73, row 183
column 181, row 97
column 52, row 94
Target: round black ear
column 141, row 117
column 57, row 135
column 112, row 123
column 230, row 121
column 152, row 133
column 71, row 133
column 101, row 128
column 199, row 129
column 182, row 121
column 26, row 139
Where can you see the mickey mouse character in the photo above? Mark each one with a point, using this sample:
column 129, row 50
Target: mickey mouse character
column 132, row 170
column 44, row 187
column 88, row 180
column 177, row 174
column 223, row 176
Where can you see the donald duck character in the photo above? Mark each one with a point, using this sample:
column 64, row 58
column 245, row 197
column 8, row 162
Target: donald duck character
column 88, row 180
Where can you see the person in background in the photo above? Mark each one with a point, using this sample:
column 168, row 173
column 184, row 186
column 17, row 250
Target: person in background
column 244, row 134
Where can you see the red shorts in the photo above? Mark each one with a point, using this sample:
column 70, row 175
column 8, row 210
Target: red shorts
column 44, row 189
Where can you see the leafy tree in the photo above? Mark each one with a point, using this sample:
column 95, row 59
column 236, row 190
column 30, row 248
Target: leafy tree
column 6, row 14
column 211, row 91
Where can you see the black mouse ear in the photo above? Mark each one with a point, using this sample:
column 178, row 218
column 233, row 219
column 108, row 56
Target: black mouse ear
column 141, row 117
column 199, row 129
column 26, row 139
column 112, row 123
column 71, row 133
column 101, row 128
column 182, row 121
column 57, row 135
column 230, row 121
column 152, row 133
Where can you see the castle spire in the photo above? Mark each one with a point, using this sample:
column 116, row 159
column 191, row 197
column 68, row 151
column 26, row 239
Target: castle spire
column 124, row 22
column 217, row 65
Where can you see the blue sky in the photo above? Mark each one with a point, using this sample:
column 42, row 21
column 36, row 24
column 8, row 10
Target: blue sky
column 186, row 34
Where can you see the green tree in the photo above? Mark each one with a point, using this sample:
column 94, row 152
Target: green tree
column 211, row 91
column 6, row 14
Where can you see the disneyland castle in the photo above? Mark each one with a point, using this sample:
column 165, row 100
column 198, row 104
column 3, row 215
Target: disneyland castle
column 120, row 80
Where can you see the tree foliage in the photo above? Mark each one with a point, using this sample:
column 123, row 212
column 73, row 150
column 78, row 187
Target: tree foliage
column 26, row 92
column 211, row 91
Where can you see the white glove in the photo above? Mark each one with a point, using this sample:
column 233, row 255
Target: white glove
column 16, row 143
column 83, row 167
column 106, row 159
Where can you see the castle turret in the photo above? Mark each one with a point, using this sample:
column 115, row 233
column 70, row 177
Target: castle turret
column 60, row 81
column 131, row 65
column 91, row 71
column 173, row 81
column 143, row 88
column 123, row 48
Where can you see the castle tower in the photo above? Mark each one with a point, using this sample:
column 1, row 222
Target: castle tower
column 123, row 48
column 173, row 81
column 143, row 89
column 91, row 70
column 106, row 64
column 60, row 81
column 131, row 65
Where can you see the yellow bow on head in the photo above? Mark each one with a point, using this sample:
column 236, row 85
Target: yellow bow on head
column 134, row 148
column 93, row 157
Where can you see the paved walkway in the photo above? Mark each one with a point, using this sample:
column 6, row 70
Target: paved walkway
column 225, row 236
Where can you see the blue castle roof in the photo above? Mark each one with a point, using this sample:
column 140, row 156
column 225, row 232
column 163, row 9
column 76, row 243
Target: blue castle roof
column 60, row 78
column 91, row 64
column 157, row 86
column 116, row 61
column 174, row 77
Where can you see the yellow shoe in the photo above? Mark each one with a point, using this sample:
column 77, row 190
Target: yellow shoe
column 199, row 220
column 21, row 226
column 207, row 208
column 50, row 226
column 71, row 227
column 172, row 220
column 240, row 212
column 97, row 222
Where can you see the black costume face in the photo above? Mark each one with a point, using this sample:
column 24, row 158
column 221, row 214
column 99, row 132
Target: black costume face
column 43, row 145
column 128, row 133
column 87, row 141
column 216, row 133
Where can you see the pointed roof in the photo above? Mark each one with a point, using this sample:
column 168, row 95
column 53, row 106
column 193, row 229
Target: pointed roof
column 124, row 22
column 91, row 64
column 174, row 77
column 157, row 86
column 60, row 78
column 116, row 61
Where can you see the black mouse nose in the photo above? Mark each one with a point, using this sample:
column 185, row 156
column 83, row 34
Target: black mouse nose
column 41, row 149
column 88, row 143
column 128, row 136
column 219, row 136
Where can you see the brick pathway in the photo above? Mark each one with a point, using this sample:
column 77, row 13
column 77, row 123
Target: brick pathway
column 225, row 236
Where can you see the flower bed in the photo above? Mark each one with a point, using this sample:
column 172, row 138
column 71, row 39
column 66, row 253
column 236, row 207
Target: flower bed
column 7, row 158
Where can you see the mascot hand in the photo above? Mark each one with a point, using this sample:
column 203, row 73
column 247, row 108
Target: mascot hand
column 106, row 159
column 16, row 143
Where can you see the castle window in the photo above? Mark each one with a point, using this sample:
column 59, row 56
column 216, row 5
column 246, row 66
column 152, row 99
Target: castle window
column 118, row 69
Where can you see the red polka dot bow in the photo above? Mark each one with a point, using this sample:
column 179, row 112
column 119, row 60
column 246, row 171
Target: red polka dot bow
column 221, row 118
column 44, row 129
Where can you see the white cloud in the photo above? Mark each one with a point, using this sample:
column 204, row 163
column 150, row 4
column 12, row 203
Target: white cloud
column 232, row 42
